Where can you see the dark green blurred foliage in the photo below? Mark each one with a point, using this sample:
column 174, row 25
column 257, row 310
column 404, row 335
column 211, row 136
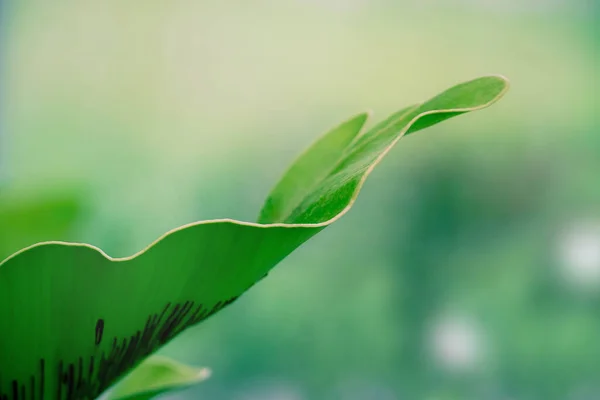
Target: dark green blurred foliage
column 477, row 239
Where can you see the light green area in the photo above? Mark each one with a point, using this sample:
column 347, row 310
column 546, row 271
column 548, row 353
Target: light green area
column 27, row 218
column 154, row 376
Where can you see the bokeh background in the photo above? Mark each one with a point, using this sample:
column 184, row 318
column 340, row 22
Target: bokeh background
column 470, row 265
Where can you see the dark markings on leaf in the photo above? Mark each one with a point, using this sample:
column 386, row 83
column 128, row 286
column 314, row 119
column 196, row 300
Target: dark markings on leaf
column 86, row 379
column 99, row 331
column 42, row 378
column 60, row 386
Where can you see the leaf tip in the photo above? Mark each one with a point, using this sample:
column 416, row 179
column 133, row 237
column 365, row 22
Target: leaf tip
column 502, row 82
column 362, row 117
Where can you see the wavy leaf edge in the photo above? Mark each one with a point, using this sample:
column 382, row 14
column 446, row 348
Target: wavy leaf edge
column 323, row 224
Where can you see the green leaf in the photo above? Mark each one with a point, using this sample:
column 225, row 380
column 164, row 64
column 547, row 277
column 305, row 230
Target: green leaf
column 154, row 376
column 73, row 320
column 310, row 168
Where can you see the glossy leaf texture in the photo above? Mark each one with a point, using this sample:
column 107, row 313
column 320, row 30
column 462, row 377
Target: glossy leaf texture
column 74, row 320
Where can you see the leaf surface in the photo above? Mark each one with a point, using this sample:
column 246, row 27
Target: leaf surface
column 309, row 169
column 154, row 376
column 73, row 320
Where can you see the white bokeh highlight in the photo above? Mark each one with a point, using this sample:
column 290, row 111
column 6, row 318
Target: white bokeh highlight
column 579, row 255
column 456, row 343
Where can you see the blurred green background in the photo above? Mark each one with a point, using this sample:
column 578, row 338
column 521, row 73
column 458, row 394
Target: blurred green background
column 470, row 265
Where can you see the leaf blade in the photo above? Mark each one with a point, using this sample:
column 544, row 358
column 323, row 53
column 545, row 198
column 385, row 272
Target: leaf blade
column 105, row 315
